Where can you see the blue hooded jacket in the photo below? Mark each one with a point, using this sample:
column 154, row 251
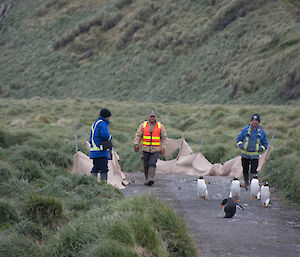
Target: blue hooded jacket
column 102, row 124
column 252, row 142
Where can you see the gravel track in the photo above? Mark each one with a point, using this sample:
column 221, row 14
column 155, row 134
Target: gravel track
column 256, row 231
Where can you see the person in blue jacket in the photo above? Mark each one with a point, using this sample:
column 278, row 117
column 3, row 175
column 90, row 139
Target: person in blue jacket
column 252, row 141
column 99, row 134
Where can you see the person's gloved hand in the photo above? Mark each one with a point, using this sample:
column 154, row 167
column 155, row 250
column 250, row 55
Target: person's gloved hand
column 162, row 151
column 239, row 146
column 136, row 148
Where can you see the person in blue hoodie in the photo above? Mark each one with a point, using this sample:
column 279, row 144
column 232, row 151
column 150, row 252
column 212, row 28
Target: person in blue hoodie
column 101, row 146
column 252, row 142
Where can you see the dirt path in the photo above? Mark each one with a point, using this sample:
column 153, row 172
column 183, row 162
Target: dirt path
column 256, row 231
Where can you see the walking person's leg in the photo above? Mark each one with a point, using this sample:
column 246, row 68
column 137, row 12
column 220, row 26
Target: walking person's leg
column 245, row 164
column 146, row 156
column 103, row 163
column 96, row 168
column 152, row 166
column 253, row 169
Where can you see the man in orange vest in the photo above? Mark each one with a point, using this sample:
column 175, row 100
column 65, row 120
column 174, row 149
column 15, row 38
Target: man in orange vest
column 153, row 136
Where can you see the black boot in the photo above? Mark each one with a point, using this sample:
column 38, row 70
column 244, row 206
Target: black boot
column 103, row 177
column 151, row 173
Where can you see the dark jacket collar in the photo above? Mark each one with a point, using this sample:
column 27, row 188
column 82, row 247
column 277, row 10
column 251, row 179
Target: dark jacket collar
column 105, row 120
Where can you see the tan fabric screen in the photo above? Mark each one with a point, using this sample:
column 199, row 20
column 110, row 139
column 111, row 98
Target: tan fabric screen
column 83, row 165
column 190, row 163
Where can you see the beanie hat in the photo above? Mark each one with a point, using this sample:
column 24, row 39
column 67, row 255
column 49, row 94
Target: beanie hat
column 152, row 112
column 104, row 113
column 255, row 116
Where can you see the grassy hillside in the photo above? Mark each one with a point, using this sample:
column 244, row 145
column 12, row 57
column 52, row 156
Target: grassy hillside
column 42, row 125
column 207, row 51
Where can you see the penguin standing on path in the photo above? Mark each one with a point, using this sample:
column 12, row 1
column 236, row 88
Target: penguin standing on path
column 202, row 188
column 235, row 189
column 254, row 188
column 229, row 207
column 265, row 195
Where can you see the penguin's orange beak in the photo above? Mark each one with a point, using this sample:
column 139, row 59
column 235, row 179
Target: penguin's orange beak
column 223, row 207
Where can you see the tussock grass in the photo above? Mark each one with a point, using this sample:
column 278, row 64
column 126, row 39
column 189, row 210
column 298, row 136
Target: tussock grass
column 88, row 211
column 30, row 170
column 283, row 172
column 186, row 51
column 133, row 227
column 110, row 248
column 29, row 229
column 18, row 245
column 8, row 215
column 43, row 210
column 6, row 171
column 15, row 188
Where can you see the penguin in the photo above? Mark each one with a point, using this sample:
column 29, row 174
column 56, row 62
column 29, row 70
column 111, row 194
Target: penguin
column 235, row 189
column 229, row 207
column 254, row 188
column 265, row 194
column 202, row 188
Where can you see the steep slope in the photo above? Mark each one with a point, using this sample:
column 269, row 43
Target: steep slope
column 209, row 51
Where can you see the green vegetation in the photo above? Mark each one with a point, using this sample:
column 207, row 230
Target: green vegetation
column 123, row 54
column 47, row 211
column 50, row 212
column 212, row 51
column 41, row 140
column 130, row 227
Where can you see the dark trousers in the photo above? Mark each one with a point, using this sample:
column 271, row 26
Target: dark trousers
column 253, row 168
column 150, row 159
column 100, row 165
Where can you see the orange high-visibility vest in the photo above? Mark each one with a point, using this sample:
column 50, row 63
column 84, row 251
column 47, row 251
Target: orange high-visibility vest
column 154, row 138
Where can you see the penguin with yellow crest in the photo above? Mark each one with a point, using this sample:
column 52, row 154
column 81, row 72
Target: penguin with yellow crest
column 235, row 189
column 255, row 188
column 202, row 188
column 265, row 195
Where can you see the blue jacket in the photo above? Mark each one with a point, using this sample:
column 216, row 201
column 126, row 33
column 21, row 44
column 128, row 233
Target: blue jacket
column 252, row 142
column 102, row 124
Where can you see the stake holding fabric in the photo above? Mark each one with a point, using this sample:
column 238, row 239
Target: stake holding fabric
column 202, row 140
column 84, row 132
column 274, row 133
column 76, row 144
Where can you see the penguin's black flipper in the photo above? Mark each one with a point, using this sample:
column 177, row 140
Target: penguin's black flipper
column 239, row 205
column 224, row 202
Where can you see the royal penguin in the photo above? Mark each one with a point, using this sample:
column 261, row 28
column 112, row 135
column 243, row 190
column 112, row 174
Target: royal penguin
column 265, row 194
column 202, row 188
column 229, row 207
column 235, row 189
column 254, row 188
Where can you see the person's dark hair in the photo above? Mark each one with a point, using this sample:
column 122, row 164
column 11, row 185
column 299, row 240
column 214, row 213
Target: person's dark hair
column 104, row 113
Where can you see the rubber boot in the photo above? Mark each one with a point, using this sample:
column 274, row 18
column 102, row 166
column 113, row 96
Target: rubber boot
column 95, row 175
column 151, row 173
column 146, row 176
column 103, row 177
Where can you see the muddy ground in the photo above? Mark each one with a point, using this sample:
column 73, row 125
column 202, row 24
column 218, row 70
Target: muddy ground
column 256, row 231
